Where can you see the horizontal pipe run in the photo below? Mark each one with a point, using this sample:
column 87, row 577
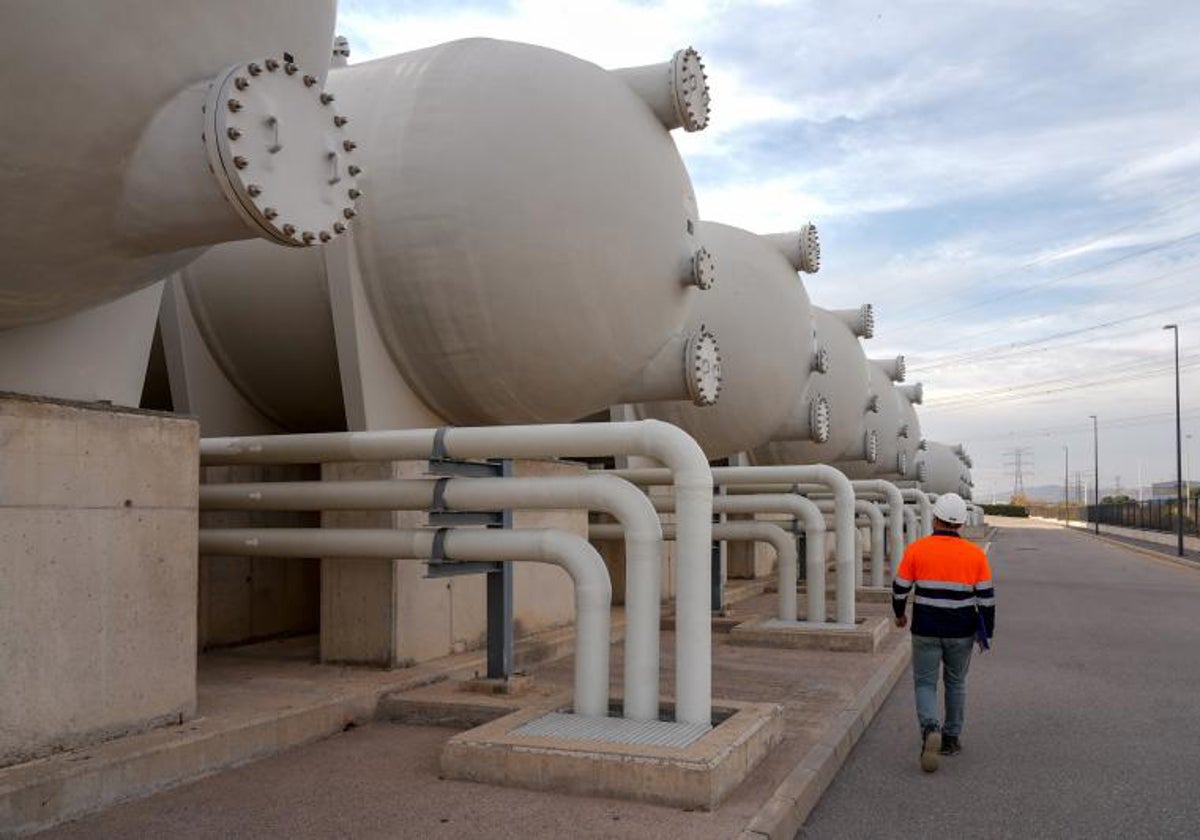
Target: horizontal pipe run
column 835, row 481
column 782, row 541
column 802, row 511
column 875, row 519
column 593, row 589
column 688, row 470
column 605, row 493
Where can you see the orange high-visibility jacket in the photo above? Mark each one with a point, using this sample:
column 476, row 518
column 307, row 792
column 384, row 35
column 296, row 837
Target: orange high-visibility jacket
column 951, row 584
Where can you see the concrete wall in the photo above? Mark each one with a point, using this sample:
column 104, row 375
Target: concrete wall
column 247, row 599
column 388, row 613
column 98, row 581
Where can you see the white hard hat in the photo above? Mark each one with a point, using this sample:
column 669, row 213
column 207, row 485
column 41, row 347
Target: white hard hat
column 951, row 509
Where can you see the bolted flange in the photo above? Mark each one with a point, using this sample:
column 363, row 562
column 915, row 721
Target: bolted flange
column 922, row 472
column 872, row 446
column 689, row 89
column 902, row 463
column 820, row 360
column 903, row 431
column 820, row 419
column 289, row 151
column 866, row 321
column 873, row 404
column 704, row 269
column 810, row 249
column 702, row 367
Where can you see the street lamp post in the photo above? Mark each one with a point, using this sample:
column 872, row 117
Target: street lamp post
column 1066, row 486
column 1178, row 444
column 1096, row 466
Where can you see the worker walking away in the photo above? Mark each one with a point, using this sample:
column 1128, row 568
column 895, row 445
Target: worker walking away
column 954, row 607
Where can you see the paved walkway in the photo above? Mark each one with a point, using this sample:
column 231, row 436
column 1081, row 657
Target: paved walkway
column 1084, row 720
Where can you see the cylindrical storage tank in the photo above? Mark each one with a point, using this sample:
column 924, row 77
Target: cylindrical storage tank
column 137, row 134
column 881, row 438
column 908, row 397
column 761, row 315
column 838, row 388
column 943, row 471
column 526, row 242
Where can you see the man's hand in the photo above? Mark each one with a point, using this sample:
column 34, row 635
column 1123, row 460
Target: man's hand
column 902, row 620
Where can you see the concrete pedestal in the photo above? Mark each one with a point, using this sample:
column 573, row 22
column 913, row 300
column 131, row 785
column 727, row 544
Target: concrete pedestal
column 98, row 580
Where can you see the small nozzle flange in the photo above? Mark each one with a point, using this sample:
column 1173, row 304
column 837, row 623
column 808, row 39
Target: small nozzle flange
column 689, row 89
column 820, row 418
column 704, row 269
column 702, row 367
column 820, row 360
column 872, row 446
column 922, row 472
column 902, row 462
column 801, row 248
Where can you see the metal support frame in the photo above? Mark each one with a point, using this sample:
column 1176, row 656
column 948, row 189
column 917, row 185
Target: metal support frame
column 500, row 664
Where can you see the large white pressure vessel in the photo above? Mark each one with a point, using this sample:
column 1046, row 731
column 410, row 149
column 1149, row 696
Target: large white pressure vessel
column 762, row 316
column 944, row 471
column 839, row 388
column 526, row 242
column 115, row 111
column 883, row 456
column 908, row 397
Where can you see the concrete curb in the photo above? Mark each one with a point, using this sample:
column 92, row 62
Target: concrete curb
column 1161, row 556
column 796, row 796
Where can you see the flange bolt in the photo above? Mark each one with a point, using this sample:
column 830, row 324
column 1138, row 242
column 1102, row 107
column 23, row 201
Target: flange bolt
column 349, row 145
column 354, row 194
column 255, row 190
column 241, row 82
column 309, row 81
column 340, row 121
column 253, row 68
column 234, row 105
column 289, row 230
column 349, row 213
column 326, row 98
column 270, row 213
column 338, row 227
column 240, row 162
column 233, row 133
column 353, row 170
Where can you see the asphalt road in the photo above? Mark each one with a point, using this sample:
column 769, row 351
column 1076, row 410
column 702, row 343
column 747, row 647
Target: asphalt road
column 1083, row 721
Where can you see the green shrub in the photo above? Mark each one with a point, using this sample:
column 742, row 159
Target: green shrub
column 1006, row 510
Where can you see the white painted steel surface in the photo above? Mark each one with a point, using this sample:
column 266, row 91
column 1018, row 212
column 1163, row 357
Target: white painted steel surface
column 762, row 318
column 83, row 83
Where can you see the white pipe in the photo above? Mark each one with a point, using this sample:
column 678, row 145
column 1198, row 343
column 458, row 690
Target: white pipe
column 802, row 510
column 605, row 493
column 910, row 525
column 871, row 488
column 666, row 443
column 768, row 532
column 895, row 500
column 911, row 494
column 838, row 484
column 875, row 518
column 593, row 590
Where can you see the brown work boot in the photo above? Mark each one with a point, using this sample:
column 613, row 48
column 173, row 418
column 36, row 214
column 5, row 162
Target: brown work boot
column 931, row 745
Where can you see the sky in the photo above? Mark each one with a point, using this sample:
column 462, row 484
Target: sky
column 1013, row 184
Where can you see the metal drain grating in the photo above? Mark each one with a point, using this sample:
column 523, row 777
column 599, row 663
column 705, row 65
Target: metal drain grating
column 612, row 730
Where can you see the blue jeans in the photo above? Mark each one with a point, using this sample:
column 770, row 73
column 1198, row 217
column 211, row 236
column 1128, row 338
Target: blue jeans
column 930, row 652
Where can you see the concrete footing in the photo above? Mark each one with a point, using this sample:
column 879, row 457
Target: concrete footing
column 698, row 775
column 865, row 636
